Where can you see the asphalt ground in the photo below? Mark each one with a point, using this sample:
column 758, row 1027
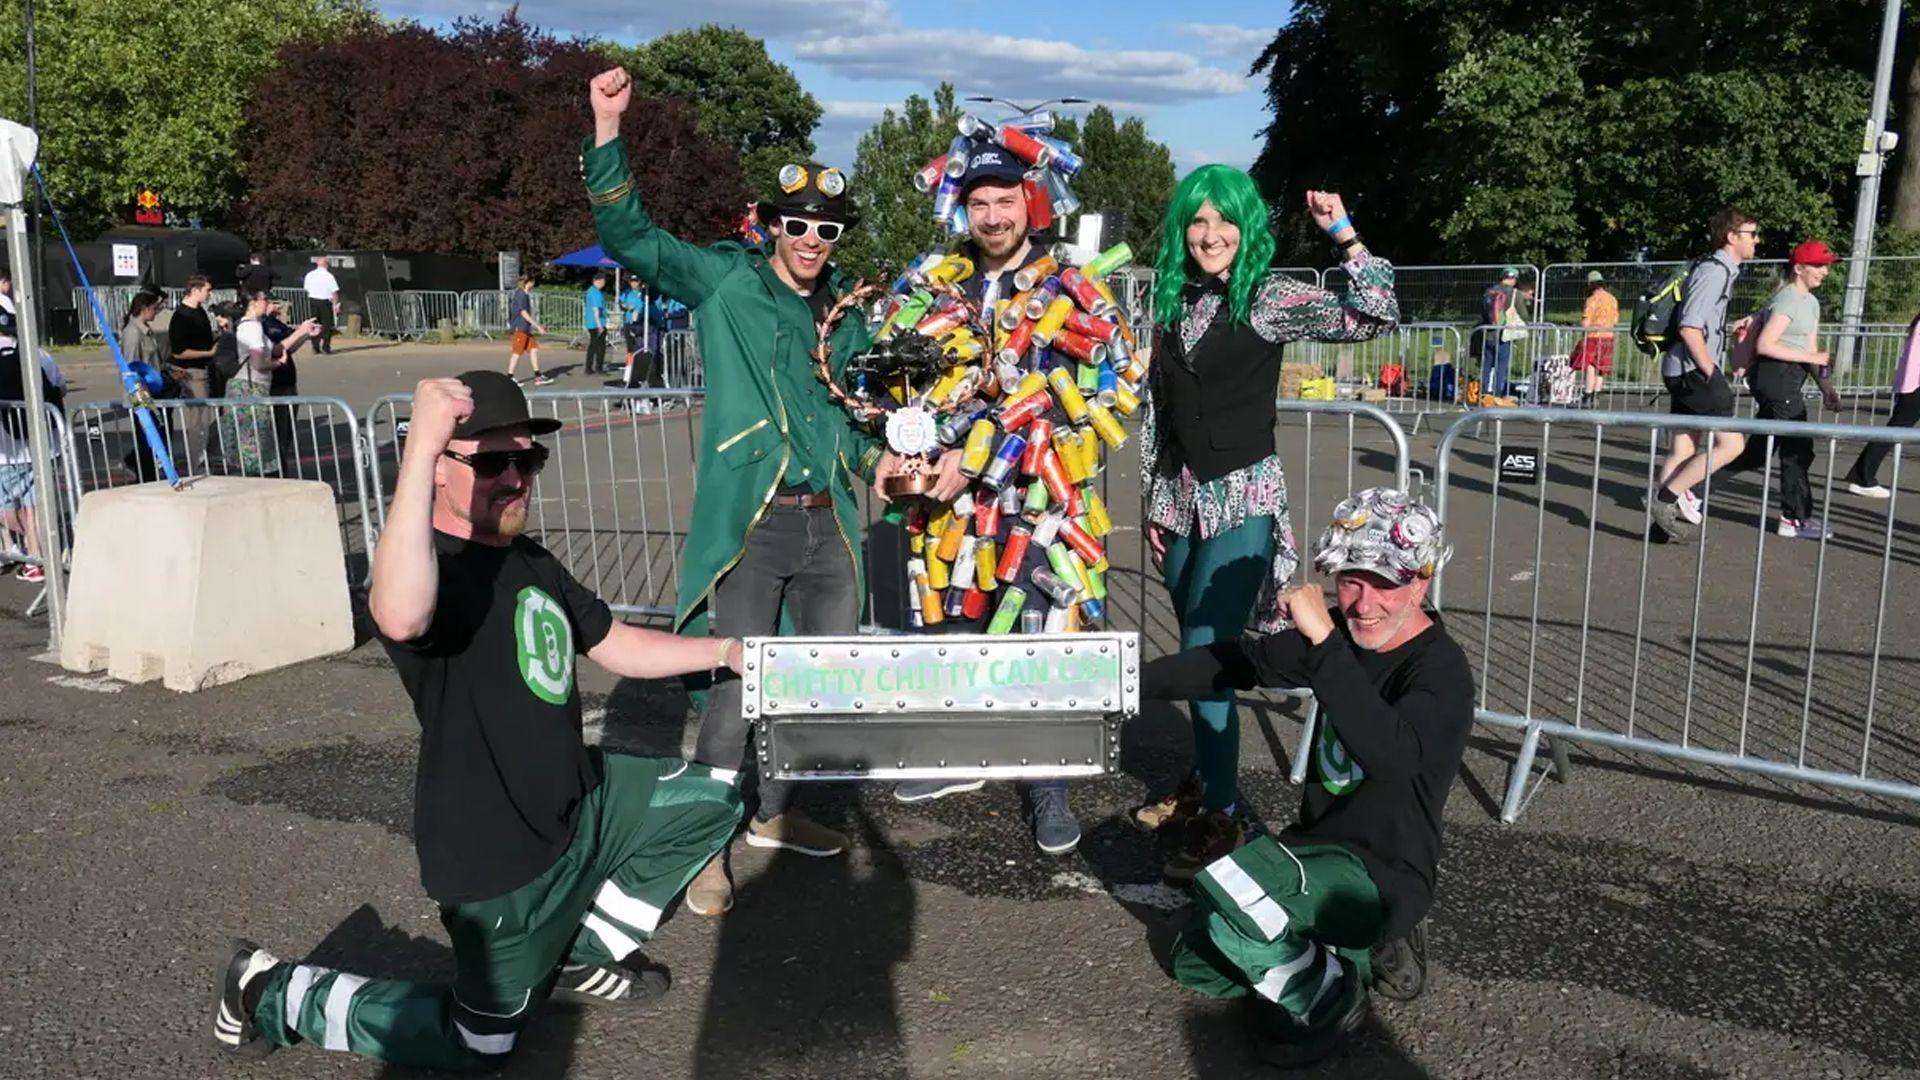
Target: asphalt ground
column 1645, row 919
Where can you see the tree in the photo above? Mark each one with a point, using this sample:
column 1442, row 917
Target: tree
column 405, row 139
column 1125, row 172
column 896, row 221
column 743, row 97
column 142, row 94
column 1616, row 126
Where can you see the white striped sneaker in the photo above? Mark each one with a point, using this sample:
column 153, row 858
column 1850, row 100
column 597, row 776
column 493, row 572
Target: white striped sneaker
column 241, row 963
column 629, row 982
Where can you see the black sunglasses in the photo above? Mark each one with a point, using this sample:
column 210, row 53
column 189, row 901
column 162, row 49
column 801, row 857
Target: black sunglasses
column 488, row 464
column 828, row 231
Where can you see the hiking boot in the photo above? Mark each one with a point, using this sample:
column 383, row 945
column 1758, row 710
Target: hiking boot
column 237, row 989
column 1666, row 517
column 631, row 981
column 1209, row 837
column 1285, row 1053
column 1870, row 491
column 795, row 831
column 913, row 791
column 711, row 891
column 1055, row 830
column 1812, row 528
column 1175, row 809
column 1400, row 965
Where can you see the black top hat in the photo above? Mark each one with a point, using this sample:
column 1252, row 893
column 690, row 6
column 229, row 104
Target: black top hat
column 498, row 402
column 810, row 190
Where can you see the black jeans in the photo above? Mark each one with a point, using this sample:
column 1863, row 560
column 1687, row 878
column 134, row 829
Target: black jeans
column 1778, row 394
column 793, row 556
column 596, row 351
column 1866, row 468
column 323, row 311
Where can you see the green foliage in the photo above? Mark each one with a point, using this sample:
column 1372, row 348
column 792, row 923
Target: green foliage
column 1608, row 128
column 151, row 94
column 743, row 97
column 895, row 220
column 1126, row 172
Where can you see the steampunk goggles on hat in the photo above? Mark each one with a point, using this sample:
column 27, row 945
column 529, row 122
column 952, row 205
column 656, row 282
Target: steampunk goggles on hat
column 829, row 182
column 812, row 191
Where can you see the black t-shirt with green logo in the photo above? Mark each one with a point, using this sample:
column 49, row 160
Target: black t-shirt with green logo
column 503, row 768
column 1393, row 726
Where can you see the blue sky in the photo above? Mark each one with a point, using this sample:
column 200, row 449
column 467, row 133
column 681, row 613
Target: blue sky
column 1182, row 69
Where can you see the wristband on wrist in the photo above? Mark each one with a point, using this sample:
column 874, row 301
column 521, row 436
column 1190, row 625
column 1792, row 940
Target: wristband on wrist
column 726, row 644
column 1345, row 221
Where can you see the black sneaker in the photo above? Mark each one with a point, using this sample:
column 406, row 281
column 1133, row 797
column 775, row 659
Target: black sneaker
column 1282, row 1053
column 1400, row 965
column 237, row 988
column 632, row 981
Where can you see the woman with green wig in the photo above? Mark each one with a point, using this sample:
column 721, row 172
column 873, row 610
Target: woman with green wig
column 1216, row 495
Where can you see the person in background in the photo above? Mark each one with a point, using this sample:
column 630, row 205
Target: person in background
column 640, row 332
column 323, row 302
column 524, row 326
column 1216, row 495
column 596, row 318
column 255, row 275
column 1695, row 378
column 1784, row 355
column 1594, row 354
column 190, row 335
column 1300, row 923
column 1496, row 352
column 137, row 342
column 245, row 431
column 1864, row 478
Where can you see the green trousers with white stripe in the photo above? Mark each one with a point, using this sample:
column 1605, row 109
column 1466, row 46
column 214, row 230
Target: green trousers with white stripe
column 641, row 836
column 1290, row 925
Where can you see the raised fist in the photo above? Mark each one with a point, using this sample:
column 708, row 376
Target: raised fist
column 1326, row 207
column 610, row 92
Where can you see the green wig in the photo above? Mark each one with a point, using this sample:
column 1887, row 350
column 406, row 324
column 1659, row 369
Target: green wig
column 1233, row 194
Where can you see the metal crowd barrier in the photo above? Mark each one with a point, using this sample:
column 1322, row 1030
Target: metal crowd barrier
column 680, row 360
column 66, row 474
column 313, row 438
column 1746, row 650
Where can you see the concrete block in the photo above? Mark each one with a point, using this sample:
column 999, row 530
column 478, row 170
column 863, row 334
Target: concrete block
column 206, row 585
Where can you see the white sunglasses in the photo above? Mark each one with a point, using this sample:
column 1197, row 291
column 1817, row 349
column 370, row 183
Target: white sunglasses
column 795, row 228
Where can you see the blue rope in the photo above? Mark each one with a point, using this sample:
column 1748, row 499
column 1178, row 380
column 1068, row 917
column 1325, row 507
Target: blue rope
column 136, row 390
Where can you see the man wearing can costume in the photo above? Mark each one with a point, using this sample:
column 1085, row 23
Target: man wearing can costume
column 1290, row 923
column 1031, row 367
column 775, row 521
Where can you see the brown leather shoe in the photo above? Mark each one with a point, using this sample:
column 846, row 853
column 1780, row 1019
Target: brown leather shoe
column 1175, row 809
column 1210, row 836
column 795, row 831
column 711, row 892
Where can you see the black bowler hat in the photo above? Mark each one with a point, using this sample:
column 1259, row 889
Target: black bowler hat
column 498, row 402
column 810, row 190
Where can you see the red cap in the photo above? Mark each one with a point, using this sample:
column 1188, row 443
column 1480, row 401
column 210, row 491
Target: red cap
column 1813, row 253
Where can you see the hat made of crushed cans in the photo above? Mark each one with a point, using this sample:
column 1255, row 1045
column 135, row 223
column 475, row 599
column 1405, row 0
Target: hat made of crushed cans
column 1386, row 532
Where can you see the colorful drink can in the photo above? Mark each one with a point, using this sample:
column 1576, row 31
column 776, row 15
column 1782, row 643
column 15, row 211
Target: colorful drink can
column 1039, row 202
column 973, row 127
column 1037, row 496
column 1039, row 445
column 986, row 517
column 1057, row 618
column 1014, row 311
column 1012, row 602
column 974, row 604
column 1033, row 622
column 1042, row 297
column 1017, row 413
column 1019, row 539
column 1038, row 122
column 1081, row 541
column 1017, row 342
column 1065, row 202
column 1045, row 330
column 1101, row 330
column 1109, row 260
column 1079, row 346
column 1055, row 477
column 930, row 175
column 938, row 574
column 1107, row 427
column 1099, row 521
column 946, row 198
column 1093, row 611
column 1068, row 394
column 985, row 561
column 1107, row 384
column 1056, row 589
column 1125, row 401
column 1077, row 285
column 1035, row 272
column 1005, row 460
column 956, row 602
column 1066, row 447
column 1064, row 159
column 979, row 449
column 1026, row 147
column 1097, row 582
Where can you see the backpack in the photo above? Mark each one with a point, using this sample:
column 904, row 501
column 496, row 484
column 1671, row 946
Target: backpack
column 1657, row 310
column 1554, row 382
column 1393, row 379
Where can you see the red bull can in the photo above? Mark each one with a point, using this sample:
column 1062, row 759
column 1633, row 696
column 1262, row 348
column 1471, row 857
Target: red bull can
column 1064, row 159
column 930, row 174
column 1005, row 460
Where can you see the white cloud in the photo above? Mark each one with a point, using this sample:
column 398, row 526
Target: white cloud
column 863, row 112
column 1021, row 68
column 770, row 19
column 1223, row 39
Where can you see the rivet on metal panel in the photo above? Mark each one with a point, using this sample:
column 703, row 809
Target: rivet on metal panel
column 1023, row 761
column 1089, row 761
column 749, row 687
column 773, row 652
column 853, row 652
column 813, row 652
column 896, row 653
column 943, row 651
column 988, row 703
column 1103, row 650
column 1063, row 761
column 814, row 704
column 1107, row 702
column 943, row 763
column 1069, row 650
column 1034, row 704
column 983, row 650
column 1029, row 650
column 983, row 763
column 858, row 704
column 1130, row 669
column 746, row 709
column 949, row 703
column 772, row 705
column 749, row 665
column 900, row 704
column 899, row 764
column 1073, row 703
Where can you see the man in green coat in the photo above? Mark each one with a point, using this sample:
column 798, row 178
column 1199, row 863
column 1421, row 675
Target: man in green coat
column 774, row 516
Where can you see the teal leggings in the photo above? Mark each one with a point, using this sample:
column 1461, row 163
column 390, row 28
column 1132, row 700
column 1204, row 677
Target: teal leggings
column 1214, row 583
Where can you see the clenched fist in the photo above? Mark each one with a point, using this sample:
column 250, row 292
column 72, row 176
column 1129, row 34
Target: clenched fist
column 1306, row 607
column 609, row 94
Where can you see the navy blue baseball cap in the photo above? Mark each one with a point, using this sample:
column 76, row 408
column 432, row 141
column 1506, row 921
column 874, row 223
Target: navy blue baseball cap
column 990, row 161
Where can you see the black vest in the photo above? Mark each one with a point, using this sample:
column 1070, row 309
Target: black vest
column 1214, row 407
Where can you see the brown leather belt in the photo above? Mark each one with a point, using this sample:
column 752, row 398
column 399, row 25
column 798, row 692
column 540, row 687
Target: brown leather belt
column 812, row 500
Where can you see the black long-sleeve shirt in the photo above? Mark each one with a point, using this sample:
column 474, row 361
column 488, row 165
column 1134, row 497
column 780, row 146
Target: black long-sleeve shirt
column 1393, row 726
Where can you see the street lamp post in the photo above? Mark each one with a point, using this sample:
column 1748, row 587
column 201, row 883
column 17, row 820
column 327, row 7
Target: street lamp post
column 1873, row 159
column 1022, row 109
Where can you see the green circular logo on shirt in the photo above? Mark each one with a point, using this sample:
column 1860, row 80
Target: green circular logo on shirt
column 545, row 640
column 1339, row 773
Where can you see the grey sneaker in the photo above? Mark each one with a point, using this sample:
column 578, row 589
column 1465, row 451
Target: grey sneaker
column 1812, row 528
column 1666, row 516
column 913, row 791
column 1055, row 830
